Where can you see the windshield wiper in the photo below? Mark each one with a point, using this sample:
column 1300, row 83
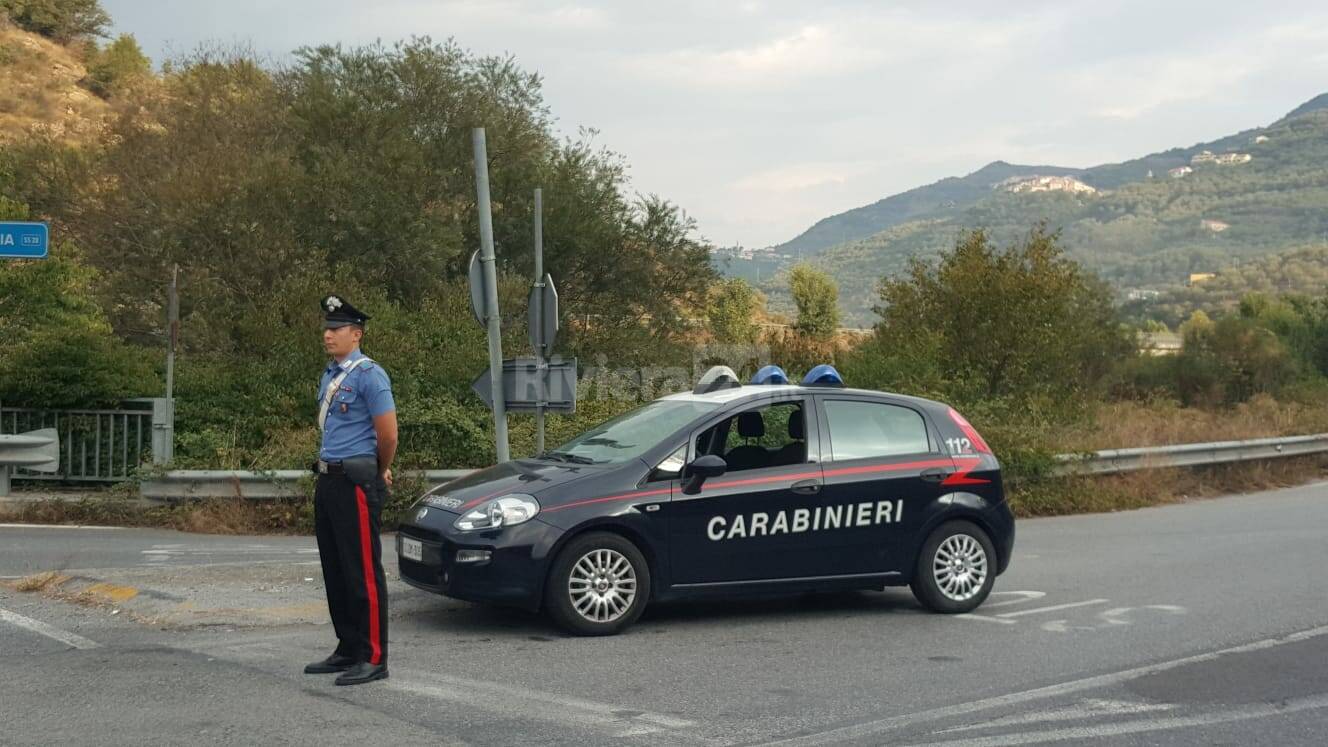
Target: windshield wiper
column 563, row 456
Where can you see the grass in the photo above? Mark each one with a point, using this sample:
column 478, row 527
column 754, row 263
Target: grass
column 1154, row 487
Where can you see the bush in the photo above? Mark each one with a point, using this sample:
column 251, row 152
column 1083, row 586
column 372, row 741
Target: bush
column 61, row 20
column 117, row 67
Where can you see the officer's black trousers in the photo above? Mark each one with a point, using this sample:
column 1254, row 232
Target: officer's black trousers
column 346, row 520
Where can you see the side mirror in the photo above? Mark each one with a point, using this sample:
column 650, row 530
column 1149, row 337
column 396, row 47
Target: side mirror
column 695, row 474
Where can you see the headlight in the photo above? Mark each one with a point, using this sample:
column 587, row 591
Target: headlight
column 513, row 508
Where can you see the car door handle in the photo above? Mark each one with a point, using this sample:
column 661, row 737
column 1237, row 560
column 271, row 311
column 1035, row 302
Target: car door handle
column 807, row 487
column 935, row 474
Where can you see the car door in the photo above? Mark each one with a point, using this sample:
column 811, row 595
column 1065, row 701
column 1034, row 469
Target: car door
column 882, row 465
column 753, row 522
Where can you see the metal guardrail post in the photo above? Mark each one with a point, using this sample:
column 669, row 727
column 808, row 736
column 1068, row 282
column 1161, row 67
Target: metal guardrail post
column 163, row 430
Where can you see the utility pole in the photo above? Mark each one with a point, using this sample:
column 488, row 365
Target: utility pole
column 490, row 270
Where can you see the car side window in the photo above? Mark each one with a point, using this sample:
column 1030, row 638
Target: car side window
column 771, row 435
column 671, row 467
column 859, row 430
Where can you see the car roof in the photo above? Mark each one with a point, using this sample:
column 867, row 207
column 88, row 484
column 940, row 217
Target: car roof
column 757, row 391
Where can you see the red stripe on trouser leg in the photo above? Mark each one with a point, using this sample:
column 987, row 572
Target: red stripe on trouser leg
column 370, row 583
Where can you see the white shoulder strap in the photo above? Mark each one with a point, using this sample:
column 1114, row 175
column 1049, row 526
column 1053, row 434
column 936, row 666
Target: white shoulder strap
column 332, row 387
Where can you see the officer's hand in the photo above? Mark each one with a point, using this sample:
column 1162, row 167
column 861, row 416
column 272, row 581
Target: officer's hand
column 387, row 476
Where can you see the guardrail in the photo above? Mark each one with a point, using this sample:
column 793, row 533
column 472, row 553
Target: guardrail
column 256, row 485
column 183, row 484
column 1115, row 461
column 37, row 450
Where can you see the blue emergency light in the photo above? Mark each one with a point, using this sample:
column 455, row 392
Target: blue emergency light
column 823, row 375
column 770, row 375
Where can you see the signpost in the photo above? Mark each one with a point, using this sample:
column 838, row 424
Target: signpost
column 489, row 274
column 520, row 384
column 532, row 384
column 24, row 240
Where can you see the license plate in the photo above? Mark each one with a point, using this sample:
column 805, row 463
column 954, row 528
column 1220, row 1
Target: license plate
column 412, row 549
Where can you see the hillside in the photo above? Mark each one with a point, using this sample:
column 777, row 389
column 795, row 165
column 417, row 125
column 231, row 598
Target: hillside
column 40, row 89
column 947, row 194
column 1136, row 231
column 1302, row 272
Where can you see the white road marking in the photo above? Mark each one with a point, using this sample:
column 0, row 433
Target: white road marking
column 72, row 640
column 621, row 721
column 1021, row 597
column 1120, row 728
column 1085, row 709
column 985, row 618
column 1054, row 607
column 54, row 526
column 890, row 723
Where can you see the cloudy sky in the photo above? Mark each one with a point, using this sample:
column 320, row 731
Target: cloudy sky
column 760, row 117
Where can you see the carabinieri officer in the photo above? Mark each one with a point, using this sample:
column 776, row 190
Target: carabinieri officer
column 358, row 421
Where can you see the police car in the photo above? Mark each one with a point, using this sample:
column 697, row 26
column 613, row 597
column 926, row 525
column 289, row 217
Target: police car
column 727, row 489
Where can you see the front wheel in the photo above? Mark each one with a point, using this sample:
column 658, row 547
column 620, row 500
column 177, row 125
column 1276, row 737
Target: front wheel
column 599, row 585
column 955, row 569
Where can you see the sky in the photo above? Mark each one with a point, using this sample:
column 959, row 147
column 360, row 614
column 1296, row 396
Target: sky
column 760, row 117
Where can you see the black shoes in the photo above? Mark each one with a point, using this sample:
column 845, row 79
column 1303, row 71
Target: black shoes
column 363, row 672
column 333, row 663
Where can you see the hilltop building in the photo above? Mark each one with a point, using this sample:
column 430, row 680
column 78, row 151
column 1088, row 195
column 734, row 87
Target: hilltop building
column 1199, row 277
column 1179, row 172
column 1216, row 226
column 1226, row 159
column 1046, row 184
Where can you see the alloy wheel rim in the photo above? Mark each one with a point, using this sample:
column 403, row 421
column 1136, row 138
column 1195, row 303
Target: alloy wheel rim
column 960, row 567
column 602, row 585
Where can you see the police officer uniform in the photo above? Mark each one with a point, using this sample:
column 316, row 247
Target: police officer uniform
column 348, row 502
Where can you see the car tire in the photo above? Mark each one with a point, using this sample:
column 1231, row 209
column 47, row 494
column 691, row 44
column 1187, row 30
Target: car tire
column 956, row 568
column 599, row 584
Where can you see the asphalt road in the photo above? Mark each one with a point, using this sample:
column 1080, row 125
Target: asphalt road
column 1204, row 623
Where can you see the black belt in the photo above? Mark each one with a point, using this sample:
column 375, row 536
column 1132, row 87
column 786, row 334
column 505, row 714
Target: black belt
column 329, row 468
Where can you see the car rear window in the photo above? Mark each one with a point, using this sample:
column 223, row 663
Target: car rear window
column 859, row 430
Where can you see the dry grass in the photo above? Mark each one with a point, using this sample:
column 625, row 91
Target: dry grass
column 39, row 581
column 1155, row 487
column 40, row 91
column 1124, row 424
column 228, row 516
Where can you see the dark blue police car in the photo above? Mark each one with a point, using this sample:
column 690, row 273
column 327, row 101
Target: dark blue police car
column 768, row 487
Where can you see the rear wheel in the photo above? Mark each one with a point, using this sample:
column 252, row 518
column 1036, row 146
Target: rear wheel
column 956, row 568
column 599, row 584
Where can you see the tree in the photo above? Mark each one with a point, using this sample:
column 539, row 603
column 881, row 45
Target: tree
column 1019, row 321
column 120, row 65
column 732, row 312
column 62, row 20
column 59, row 350
column 817, row 299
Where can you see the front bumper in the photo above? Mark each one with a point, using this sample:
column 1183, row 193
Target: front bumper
column 513, row 574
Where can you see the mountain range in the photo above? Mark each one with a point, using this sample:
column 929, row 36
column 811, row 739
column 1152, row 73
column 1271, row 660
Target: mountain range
column 1142, row 223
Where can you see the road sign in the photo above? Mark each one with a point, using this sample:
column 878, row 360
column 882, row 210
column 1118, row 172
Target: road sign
column 23, row 240
column 521, row 385
column 475, row 275
column 543, row 316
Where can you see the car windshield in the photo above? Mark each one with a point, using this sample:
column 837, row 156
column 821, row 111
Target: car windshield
column 628, row 436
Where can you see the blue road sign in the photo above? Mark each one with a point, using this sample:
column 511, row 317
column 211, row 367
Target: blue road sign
column 21, row 240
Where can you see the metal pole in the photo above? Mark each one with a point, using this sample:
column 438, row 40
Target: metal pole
column 172, row 330
column 487, row 264
column 541, row 367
